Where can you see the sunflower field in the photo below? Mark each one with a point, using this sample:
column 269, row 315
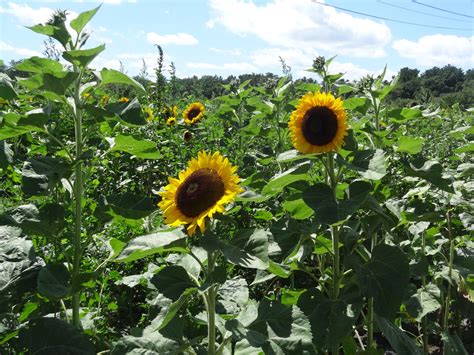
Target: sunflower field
column 286, row 218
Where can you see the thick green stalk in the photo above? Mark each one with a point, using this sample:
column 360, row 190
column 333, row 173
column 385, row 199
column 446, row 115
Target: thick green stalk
column 424, row 324
column 370, row 305
column 78, row 191
column 210, row 298
column 450, row 274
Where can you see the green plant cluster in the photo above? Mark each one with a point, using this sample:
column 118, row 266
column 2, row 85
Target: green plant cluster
column 362, row 251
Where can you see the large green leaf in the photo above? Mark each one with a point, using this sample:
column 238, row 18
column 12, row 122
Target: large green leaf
column 141, row 148
column 452, row 344
column 41, row 174
column 17, row 259
column 327, row 209
column 7, row 91
column 59, row 32
column 112, row 76
column 46, row 336
column 82, row 19
column 248, row 249
column 385, row 278
column 331, row 320
column 400, row 115
column 82, row 57
column 410, row 145
column 359, row 104
column 6, row 154
column 296, row 207
column 272, row 328
column 54, row 281
column 147, row 245
column 126, row 205
column 431, row 171
column 370, row 164
column 39, row 65
column 399, row 341
column 55, row 82
column 278, row 182
column 424, row 301
column 172, row 281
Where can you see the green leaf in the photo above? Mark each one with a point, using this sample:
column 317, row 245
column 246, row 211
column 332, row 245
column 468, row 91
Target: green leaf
column 112, row 76
column 410, row 145
column 57, row 82
column 344, row 89
column 359, row 104
column 141, row 148
column 7, row 91
column 468, row 148
column 385, row 277
column 370, row 164
column 127, row 205
column 293, row 155
column 297, row 208
column 452, row 344
column 173, row 309
column 81, row 21
column 431, row 171
column 401, row 115
column 54, row 336
column 59, row 33
column 331, row 320
column 172, row 281
column 328, row 210
column 280, row 181
column 54, row 281
column 233, row 296
column 424, row 301
column 39, row 65
column 6, row 154
column 41, row 174
column 147, row 245
column 129, row 112
column 249, row 249
column 82, row 57
column 399, row 341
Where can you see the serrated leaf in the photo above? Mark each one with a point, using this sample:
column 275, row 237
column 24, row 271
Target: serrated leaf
column 82, row 19
column 112, row 76
column 141, row 148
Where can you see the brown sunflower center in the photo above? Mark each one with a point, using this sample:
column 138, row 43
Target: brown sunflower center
column 319, row 125
column 194, row 112
column 199, row 191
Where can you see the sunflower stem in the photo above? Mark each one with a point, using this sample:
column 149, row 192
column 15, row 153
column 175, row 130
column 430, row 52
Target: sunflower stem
column 450, row 274
column 210, row 298
column 424, row 324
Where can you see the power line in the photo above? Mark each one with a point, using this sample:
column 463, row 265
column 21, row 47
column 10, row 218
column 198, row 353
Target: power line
column 389, row 19
column 440, row 9
column 422, row 12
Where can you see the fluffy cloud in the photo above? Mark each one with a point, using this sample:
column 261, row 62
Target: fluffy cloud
column 181, row 39
column 20, row 52
column 302, row 24
column 438, row 50
column 233, row 52
column 237, row 67
column 26, row 14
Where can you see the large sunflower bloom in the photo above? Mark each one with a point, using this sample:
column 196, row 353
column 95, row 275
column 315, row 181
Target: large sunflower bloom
column 318, row 124
column 193, row 113
column 208, row 183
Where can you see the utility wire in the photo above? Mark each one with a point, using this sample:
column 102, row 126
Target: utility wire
column 389, row 19
column 421, row 12
column 440, row 9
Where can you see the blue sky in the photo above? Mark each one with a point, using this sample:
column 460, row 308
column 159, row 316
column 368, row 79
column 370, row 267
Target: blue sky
column 226, row 37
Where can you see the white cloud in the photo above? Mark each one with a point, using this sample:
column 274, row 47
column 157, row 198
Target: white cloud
column 181, row 39
column 22, row 52
column 302, row 24
column 234, row 52
column 102, row 28
column 221, row 69
column 438, row 50
column 26, row 14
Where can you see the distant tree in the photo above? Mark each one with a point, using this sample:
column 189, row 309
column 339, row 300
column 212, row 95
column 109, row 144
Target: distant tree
column 443, row 80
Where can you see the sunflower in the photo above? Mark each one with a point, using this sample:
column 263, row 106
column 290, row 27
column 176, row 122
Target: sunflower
column 208, row 183
column 318, row 124
column 124, row 99
column 148, row 114
column 171, row 121
column 175, row 111
column 193, row 113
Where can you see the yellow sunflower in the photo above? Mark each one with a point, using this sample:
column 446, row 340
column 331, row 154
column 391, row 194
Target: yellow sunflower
column 318, row 124
column 124, row 99
column 208, row 183
column 148, row 114
column 175, row 111
column 171, row 121
column 193, row 113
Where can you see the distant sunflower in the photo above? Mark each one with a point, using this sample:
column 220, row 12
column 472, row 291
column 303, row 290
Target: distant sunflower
column 208, row 183
column 175, row 111
column 171, row 121
column 318, row 124
column 193, row 113
column 148, row 114
column 124, row 99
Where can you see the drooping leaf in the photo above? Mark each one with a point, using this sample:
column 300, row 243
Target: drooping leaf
column 112, row 76
column 431, row 171
column 41, row 174
column 248, row 249
column 452, row 344
column 54, row 336
column 54, row 281
column 82, row 57
column 147, row 245
column 385, row 278
column 7, row 91
column 59, row 33
column 141, row 148
column 39, row 65
column 424, row 301
column 399, row 341
column 6, row 154
column 172, row 281
column 370, row 164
